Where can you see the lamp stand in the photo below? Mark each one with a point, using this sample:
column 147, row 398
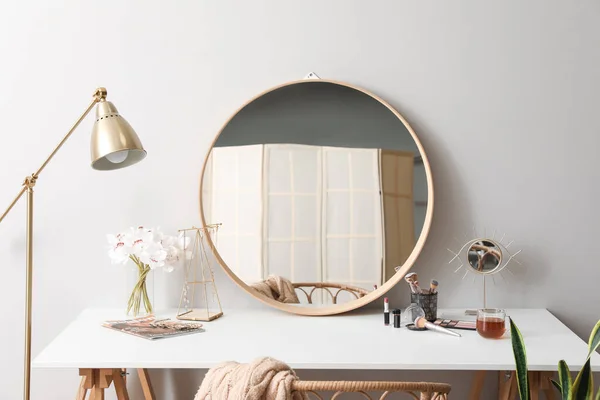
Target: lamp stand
column 28, row 185
column 28, row 289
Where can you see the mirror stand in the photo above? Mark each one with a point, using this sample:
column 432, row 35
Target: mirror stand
column 484, row 257
column 473, row 311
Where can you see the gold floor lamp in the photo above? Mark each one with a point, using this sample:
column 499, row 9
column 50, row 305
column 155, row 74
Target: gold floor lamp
column 114, row 145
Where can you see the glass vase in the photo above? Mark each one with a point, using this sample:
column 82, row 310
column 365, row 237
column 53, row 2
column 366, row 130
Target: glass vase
column 141, row 283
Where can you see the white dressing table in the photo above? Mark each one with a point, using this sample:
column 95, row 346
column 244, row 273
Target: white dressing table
column 357, row 340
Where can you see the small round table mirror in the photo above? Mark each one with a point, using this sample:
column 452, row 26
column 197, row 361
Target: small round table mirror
column 322, row 190
column 485, row 256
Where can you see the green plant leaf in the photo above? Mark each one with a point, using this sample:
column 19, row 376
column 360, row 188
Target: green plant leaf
column 566, row 382
column 598, row 395
column 583, row 388
column 594, row 341
column 518, row 346
column 556, row 385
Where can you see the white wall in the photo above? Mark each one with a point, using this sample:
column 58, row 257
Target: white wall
column 504, row 96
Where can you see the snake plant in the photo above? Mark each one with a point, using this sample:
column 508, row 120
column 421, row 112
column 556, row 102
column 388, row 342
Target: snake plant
column 580, row 389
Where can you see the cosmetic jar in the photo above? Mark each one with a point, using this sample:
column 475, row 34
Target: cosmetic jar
column 412, row 312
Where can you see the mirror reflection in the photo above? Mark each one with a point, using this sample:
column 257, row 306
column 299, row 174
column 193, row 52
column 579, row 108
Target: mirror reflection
column 321, row 192
column 485, row 256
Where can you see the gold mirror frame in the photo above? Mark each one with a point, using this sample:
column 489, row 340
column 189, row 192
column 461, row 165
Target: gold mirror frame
column 372, row 296
column 499, row 258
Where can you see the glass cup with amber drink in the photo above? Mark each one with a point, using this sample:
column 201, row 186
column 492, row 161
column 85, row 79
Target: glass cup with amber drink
column 491, row 323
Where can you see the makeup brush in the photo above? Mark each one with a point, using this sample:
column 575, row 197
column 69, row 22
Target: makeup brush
column 409, row 279
column 433, row 286
column 417, row 287
column 419, row 290
column 421, row 322
column 413, row 279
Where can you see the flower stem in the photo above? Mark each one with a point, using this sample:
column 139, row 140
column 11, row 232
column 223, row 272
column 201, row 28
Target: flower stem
column 139, row 294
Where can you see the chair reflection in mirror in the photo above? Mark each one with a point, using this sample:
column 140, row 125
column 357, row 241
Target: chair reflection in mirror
column 284, row 291
column 332, row 289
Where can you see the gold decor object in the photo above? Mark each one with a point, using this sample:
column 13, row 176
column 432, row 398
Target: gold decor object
column 484, row 257
column 114, row 145
column 199, row 297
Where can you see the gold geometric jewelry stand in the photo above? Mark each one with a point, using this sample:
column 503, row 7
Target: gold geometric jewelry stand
column 199, row 298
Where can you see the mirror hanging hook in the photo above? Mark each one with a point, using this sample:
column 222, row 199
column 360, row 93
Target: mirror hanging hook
column 312, row 75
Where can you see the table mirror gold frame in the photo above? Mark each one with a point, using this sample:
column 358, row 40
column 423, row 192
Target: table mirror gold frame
column 484, row 257
column 363, row 297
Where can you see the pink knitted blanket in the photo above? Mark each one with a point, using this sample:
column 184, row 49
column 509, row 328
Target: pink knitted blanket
column 262, row 379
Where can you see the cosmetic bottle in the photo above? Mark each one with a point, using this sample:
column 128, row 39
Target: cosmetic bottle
column 396, row 313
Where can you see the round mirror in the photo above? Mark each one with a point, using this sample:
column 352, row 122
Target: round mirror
column 322, row 190
column 485, row 256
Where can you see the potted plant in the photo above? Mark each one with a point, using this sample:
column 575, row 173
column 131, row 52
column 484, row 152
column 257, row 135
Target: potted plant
column 580, row 389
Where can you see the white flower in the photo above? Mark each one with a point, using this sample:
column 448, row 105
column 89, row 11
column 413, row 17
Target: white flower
column 176, row 248
column 118, row 251
column 154, row 255
column 140, row 238
column 150, row 247
column 173, row 254
column 167, row 241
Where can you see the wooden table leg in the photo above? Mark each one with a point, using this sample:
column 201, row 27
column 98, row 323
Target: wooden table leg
column 98, row 380
column 87, row 383
column 477, row 385
column 549, row 393
column 102, row 380
column 513, row 390
column 538, row 382
column 146, row 384
column 120, row 385
column 82, row 391
column 98, row 393
column 506, row 380
column 546, row 386
column 534, row 385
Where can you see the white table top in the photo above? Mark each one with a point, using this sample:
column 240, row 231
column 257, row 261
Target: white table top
column 351, row 341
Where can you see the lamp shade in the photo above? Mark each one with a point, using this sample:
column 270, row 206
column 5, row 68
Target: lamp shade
column 114, row 142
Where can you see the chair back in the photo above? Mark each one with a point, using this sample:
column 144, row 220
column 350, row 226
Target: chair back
column 418, row 390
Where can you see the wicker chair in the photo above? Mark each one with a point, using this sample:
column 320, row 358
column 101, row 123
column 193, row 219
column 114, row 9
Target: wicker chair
column 334, row 289
column 414, row 390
